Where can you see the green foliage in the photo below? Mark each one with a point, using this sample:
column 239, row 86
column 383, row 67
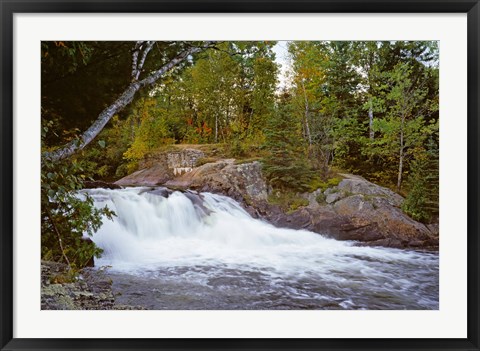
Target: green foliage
column 104, row 159
column 288, row 201
column 285, row 165
column 66, row 215
column 347, row 134
column 339, row 86
column 365, row 107
column 205, row 160
column 318, row 183
column 320, row 198
column 422, row 200
column 150, row 129
column 238, row 149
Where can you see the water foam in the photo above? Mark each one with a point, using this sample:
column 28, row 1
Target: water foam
column 152, row 233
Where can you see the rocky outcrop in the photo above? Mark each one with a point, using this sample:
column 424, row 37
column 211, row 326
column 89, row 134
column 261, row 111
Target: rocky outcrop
column 243, row 182
column 359, row 210
column 355, row 209
column 157, row 169
column 89, row 290
column 155, row 175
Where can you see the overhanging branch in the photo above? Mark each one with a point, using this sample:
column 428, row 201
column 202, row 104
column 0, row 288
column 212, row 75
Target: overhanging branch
column 125, row 98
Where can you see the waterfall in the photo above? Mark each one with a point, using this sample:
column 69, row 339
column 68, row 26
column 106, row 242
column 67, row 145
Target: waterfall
column 210, row 241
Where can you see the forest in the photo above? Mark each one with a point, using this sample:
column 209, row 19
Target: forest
column 368, row 108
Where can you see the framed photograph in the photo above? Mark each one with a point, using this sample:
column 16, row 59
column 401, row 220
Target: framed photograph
column 239, row 175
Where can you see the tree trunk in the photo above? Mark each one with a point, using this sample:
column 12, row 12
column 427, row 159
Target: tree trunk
column 401, row 156
column 216, row 128
column 125, row 98
column 307, row 127
column 87, row 136
column 370, row 119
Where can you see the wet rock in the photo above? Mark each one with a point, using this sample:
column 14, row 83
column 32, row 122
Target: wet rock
column 163, row 192
column 94, row 184
column 300, row 219
column 91, row 289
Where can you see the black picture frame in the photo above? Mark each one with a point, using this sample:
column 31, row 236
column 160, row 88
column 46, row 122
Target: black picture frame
column 10, row 7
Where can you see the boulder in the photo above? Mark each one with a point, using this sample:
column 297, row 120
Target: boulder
column 243, row 182
column 361, row 211
column 353, row 184
column 94, row 184
column 156, row 169
column 332, row 197
column 156, row 175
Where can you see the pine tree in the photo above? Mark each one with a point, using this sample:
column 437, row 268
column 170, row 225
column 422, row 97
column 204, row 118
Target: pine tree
column 285, row 167
column 422, row 202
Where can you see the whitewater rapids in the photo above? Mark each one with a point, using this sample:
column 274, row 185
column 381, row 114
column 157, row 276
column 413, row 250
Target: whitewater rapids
column 174, row 250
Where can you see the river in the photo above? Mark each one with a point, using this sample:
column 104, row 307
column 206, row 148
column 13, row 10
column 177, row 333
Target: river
column 184, row 251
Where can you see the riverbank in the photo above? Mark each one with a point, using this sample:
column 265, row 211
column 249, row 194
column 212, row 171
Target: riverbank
column 91, row 289
column 188, row 250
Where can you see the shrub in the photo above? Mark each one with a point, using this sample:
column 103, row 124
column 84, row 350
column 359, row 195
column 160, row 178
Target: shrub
column 288, row 201
column 66, row 215
column 321, row 198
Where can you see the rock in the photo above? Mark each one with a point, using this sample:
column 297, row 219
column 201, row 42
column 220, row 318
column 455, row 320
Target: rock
column 163, row 192
column 156, row 169
column 299, row 219
column 373, row 218
column 184, row 160
column 329, row 191
column 90, row 290
column 156, row 175
column 332, row 197
column 312, row 197
column 358, row 185
column 88, row 184
column 389, row 219
column 197, row 201
column 242, row 182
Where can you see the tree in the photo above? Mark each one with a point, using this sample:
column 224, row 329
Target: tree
column 148, row 124
column 308, row 98
column 66, row 215
column 285, row 166
column 139, row 55
column 367, row 58
column 422, row 200
column 224, row 96
column 404, row 129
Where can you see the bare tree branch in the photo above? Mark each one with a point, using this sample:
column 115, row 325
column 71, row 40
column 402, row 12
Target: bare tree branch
column 125, row 98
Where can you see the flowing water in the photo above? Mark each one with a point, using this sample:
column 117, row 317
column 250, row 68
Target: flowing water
column 183, row 251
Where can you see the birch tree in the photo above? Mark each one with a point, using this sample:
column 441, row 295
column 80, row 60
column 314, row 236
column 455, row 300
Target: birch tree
column 138, row 81
column 404, row 129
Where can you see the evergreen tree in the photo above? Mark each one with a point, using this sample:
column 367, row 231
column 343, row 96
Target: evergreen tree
column 422, row 201
column 285, row 166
